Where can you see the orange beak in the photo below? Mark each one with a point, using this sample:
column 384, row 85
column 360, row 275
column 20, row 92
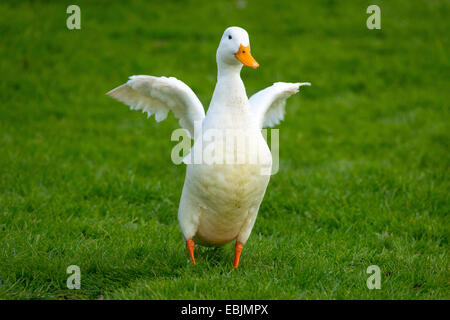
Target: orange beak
column 244, row 56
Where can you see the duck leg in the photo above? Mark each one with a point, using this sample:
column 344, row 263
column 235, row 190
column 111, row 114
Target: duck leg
column 190, row 246
column 237, row 253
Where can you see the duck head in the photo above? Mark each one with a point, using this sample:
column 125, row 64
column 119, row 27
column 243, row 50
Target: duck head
column 234, row 49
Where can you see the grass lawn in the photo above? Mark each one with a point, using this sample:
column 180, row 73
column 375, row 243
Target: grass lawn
column 364, row 151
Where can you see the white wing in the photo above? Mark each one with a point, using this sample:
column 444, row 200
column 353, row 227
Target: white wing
column 159, row 95
column 268, row 105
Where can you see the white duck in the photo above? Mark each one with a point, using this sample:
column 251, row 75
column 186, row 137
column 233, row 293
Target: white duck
column 220, row 198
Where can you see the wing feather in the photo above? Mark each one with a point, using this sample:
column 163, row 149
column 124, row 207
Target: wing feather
column 158, row 96
column 268, row 105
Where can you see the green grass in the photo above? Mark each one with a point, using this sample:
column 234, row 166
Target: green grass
column 364, row 152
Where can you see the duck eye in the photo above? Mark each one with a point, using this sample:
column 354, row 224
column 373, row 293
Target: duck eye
column 230, row 37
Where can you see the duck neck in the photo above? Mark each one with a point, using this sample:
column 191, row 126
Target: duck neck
column 230, row 90
column 227, row 71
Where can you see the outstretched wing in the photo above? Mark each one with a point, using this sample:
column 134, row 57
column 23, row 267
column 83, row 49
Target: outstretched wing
column 268, row 105
column 159, row 95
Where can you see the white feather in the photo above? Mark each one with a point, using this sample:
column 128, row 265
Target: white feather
column 268, row 105
column 158, row 96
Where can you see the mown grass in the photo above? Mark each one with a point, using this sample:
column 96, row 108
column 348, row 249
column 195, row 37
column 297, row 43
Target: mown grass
column 364, row 152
